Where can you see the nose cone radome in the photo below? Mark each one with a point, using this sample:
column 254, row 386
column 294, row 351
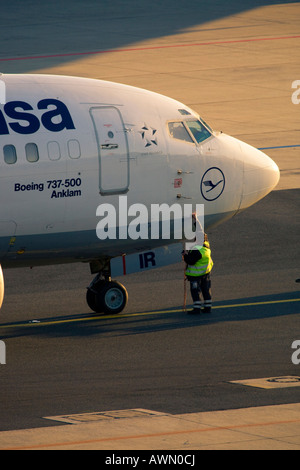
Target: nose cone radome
column 261, row 175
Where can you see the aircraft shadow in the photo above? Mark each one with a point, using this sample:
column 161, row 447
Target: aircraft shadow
column 84, row 325
column 57, row 33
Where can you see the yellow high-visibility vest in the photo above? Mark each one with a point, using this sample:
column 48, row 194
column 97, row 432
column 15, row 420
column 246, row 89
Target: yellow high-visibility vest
column 204, row 265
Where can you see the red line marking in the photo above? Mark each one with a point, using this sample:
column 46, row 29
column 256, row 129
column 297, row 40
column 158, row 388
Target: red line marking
column 153, row 435
column 124, row 264
column 148, row 48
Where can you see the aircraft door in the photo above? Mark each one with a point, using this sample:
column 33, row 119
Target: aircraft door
column 112, row 149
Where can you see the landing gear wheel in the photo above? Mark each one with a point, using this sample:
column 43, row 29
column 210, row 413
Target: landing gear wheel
column 93, row 295
column 107, row 296
column 113, row 297
column 91, row 298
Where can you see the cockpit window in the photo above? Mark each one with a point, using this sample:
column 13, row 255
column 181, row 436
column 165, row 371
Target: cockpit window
column 184, row 112
column 178, row 131
column 190, row 130
column 198, row 130
column 206, row 125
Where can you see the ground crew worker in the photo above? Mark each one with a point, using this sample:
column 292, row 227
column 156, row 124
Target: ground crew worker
column 199, row 265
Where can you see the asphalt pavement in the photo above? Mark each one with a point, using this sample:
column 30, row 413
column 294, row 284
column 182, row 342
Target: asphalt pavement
column 235, row 65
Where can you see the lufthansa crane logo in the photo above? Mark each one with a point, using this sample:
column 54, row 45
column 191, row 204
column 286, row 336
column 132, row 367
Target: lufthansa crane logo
column 212, row 184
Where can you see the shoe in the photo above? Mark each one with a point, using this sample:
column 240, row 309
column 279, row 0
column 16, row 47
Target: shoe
column 195, row 311
column 206, row 310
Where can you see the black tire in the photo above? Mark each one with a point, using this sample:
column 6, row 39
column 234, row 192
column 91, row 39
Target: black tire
column 92, row 301
column 93, row 296
column 113, row 298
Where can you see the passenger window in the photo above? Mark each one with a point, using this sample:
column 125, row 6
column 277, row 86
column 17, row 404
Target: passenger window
column 32, row 153
column 178, row 131
column 53, row 150
column 198, row 130
column 10, row 154
column 74, row 149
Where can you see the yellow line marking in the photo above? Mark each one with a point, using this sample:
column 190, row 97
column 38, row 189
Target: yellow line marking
column 131, row 315
column 259, row 303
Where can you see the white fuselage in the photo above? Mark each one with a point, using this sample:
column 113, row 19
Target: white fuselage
column 69, row 144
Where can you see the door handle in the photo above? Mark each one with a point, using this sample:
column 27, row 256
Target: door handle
column 109, row 146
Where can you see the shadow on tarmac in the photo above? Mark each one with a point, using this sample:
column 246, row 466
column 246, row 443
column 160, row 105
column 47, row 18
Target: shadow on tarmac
column 58, row 31
column 236, row 310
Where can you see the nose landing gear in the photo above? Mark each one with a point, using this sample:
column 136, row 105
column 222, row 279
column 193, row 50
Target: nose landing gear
column 106, row 296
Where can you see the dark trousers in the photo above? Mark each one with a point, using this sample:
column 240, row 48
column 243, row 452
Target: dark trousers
column 201, row 285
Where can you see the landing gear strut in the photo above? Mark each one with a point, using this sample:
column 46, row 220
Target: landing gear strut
column 106, row 296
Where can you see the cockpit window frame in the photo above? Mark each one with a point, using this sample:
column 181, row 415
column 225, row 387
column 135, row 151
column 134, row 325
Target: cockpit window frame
column 190, row 135
column 184, row 121
column 203, row 125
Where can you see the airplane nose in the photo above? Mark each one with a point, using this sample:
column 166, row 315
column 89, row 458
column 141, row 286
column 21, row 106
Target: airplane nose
column 261, row 175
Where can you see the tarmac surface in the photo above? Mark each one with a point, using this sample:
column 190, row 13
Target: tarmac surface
column 235, row 63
